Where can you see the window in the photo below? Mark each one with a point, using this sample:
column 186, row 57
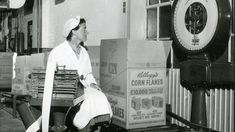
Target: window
column 59, row 1
column 28, row 7
column 159, row 19
column 3, row 4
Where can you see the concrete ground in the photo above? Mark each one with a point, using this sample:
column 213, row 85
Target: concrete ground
column 10, row 124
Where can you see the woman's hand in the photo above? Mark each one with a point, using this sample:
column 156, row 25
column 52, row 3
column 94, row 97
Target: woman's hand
column 93, row 85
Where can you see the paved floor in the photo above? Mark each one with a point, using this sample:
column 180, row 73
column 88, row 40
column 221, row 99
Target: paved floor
column 10, row 124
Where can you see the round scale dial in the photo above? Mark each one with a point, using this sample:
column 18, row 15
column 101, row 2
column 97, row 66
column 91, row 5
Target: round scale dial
column 195, row 22
column 200, row 27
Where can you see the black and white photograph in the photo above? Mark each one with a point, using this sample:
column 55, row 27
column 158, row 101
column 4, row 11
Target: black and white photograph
column 117, row 66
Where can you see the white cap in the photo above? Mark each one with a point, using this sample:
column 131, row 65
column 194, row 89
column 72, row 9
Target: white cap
column 70, row 24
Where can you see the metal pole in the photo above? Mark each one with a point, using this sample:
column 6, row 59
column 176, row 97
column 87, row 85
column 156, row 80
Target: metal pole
column 198, row 112
column 25, row 114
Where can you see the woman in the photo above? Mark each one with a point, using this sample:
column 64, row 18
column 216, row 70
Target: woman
column 73, row 55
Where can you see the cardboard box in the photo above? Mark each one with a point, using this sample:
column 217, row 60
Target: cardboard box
column 23, row 65
column 133, row 77
column 6, row 54
column 94, row 54
column 20, row 80
column 6, row 69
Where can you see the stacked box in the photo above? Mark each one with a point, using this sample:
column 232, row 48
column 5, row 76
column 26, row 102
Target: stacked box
column 65, row 85
column 6, row 68
column 29, row 78
column 23, row 65
column 133, row 77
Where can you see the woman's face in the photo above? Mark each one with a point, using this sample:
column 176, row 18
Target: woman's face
column 81, row 33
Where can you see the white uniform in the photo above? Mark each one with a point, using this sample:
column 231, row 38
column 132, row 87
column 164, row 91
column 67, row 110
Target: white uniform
column 63, row 54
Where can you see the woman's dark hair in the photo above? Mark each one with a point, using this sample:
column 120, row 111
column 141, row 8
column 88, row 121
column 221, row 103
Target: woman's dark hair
column 82, row 44
column 69, row 37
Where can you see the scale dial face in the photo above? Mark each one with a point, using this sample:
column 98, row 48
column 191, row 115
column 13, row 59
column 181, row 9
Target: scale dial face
column 195, row 23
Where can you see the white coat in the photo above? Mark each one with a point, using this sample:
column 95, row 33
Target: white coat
column 63, row 54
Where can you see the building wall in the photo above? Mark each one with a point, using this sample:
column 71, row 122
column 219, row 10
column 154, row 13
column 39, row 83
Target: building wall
column 105, row 19
column 136, row 20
